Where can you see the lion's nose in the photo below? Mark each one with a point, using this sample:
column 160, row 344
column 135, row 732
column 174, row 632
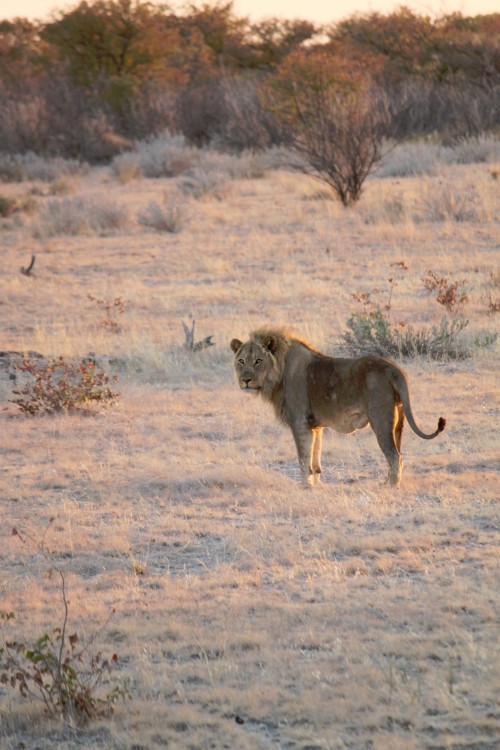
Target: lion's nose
column 245, row 380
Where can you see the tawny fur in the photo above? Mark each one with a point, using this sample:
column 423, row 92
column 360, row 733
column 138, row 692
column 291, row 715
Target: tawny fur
column 310, row 391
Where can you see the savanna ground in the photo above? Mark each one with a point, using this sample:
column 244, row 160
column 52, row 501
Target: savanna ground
column 247, row 612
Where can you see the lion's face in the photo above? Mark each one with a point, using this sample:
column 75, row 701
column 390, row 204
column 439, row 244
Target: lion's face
column 257, row 368
column 252, row 364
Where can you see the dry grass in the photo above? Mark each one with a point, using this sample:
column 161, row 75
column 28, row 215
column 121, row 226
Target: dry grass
column 250, row 613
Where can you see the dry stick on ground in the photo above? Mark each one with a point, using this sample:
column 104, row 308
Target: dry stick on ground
column 190, row 344
column 27, row 271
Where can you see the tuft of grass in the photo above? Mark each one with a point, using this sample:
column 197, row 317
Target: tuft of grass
column 170, row 216
column 204, row 182
column 63, row 185
column 126, row 167
column 21, row 167
column 75, row 216
column 410, row 160
column 483, row 149
column 165, row 155
column 445, row 202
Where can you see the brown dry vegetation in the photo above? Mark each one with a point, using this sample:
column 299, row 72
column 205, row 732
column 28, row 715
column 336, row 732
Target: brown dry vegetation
column 250, row 613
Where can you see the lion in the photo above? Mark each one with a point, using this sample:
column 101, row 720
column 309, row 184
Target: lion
column 310, row 391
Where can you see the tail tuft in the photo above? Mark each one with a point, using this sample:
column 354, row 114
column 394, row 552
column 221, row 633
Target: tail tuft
column 441, row 424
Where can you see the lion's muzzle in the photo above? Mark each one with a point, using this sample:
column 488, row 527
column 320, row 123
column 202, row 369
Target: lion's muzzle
column 246, row 385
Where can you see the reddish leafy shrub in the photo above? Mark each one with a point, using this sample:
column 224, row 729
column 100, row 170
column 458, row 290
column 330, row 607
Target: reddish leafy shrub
column 64, row 386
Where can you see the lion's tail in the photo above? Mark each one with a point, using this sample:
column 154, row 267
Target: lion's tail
column 400, row 385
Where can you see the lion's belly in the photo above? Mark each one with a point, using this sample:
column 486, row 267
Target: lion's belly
column 344, row 420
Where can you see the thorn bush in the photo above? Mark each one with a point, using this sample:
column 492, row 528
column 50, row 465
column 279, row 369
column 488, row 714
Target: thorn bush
column 59, row 385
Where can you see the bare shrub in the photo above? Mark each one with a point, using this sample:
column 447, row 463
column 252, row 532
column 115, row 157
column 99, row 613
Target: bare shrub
column 165, row 155
column 477, row 150
column 203, row 182
column 410, row 159
column 149, row 111
column 341, row 137
column 444, row 202
column 24, row 124
column 246, row 165
column 170, row 216
column 243, row 122
column 126, row 167
column 454, row 110
column 74, row 216
column 30, row 166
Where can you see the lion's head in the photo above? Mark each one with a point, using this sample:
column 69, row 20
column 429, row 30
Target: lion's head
column 259, row 362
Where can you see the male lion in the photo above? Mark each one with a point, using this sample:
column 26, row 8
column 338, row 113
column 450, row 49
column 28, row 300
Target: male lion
column 310, row 391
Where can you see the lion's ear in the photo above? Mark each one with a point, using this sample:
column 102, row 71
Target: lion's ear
column 235, row 345
column 270, row 343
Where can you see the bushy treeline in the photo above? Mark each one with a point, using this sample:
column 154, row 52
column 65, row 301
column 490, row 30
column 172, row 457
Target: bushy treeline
column 104, row 74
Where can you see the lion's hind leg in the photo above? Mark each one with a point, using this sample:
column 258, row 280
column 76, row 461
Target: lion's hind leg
column 387, row 424
column 398, row 428
column 316, row 454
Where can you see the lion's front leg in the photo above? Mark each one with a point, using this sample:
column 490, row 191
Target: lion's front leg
column 304, row 440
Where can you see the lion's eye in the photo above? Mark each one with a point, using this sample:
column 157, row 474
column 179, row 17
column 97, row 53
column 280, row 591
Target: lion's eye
column 241, row 361
column 258, row 361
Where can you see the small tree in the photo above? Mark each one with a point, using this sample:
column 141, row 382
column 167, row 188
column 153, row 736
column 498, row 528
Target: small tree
column 341, row 141
column 335, row 119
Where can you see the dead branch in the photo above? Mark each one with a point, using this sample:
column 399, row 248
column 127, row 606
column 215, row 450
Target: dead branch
column 190, row 343
column 27, row 271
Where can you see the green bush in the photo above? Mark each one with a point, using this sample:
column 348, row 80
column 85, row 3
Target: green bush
column 373, row 333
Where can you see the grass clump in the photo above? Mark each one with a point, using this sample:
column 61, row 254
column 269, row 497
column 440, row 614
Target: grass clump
column 126, row 167
column 58, row 385
column 165, row 155
column 170, row 216
column 440, row 203
column 30, row 166
column 204, row 182
column 75, row 216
